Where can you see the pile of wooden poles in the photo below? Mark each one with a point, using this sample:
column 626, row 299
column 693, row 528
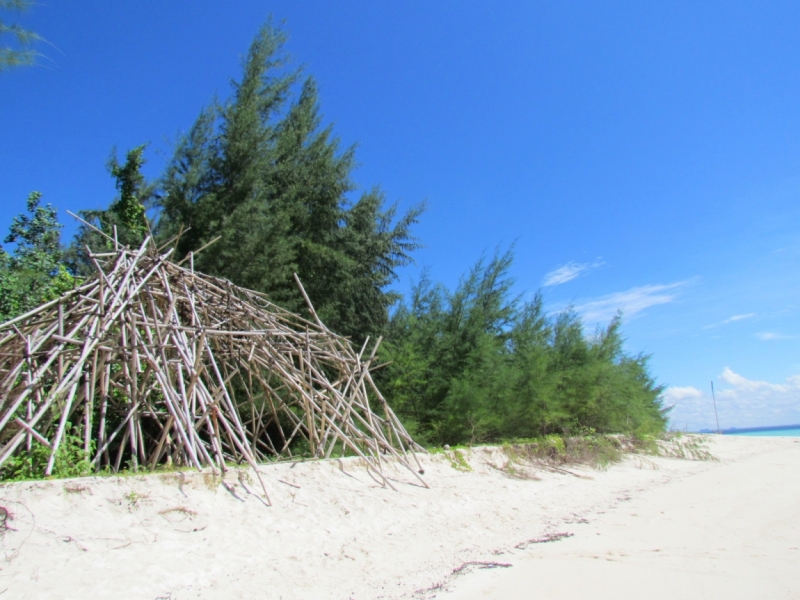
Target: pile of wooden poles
column 151, row 363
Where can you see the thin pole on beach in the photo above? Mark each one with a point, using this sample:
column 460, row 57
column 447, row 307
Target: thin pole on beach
column 716, row 416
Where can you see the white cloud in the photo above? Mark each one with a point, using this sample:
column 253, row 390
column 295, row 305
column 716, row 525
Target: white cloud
column 630, row 302
column 568, row 272
column 741, row 402
column 730, row 320
column 769, row 335
column 676, row 394
column 735, row 318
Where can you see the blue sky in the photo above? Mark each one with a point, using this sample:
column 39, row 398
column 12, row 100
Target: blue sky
column 643, row 156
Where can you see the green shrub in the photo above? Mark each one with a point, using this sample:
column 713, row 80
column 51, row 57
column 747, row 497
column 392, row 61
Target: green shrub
column 70, row 461
column 477, row 365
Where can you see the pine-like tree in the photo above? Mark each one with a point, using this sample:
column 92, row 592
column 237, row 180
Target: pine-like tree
column 261, row 173
column 476, row 365
column 128, row 209
column 124, row 220
column 21, row 53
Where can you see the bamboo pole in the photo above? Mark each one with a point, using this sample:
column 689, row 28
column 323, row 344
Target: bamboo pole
column 201, row 372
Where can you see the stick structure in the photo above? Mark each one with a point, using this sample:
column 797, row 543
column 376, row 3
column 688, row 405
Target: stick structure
column 152, row 364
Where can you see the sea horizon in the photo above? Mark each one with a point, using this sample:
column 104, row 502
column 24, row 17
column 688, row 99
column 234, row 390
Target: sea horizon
column 767, row 430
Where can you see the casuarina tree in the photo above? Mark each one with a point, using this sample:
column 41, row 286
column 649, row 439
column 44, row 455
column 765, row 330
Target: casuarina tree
column 261, row 173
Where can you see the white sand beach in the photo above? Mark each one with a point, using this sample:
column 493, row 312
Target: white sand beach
column 729, row 532
column 647, row 527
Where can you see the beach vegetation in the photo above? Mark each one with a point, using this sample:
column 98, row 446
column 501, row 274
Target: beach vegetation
column 678, row 445
column 262, row 178
column 261, row 174
column 479, row 365
column 125, row 220
column 457, row 460
column 34, row 272
column 70, row 461
column 596, row 451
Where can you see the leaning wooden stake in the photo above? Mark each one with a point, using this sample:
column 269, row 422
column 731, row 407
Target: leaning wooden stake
column 151, row 363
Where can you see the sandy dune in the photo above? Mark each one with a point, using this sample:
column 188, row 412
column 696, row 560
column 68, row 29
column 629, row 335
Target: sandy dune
column 334, row 533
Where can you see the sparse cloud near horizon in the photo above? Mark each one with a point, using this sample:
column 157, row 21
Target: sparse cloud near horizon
column 741, row 402
column 630, row 302
column 568, row 272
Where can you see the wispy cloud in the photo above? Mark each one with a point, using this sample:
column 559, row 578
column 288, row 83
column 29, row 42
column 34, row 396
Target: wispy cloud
column 741, row 402
column 771, row 335
column 673, row 395
column 568, row 272
column 630, row 302
column 730, row 320
column 735, row 318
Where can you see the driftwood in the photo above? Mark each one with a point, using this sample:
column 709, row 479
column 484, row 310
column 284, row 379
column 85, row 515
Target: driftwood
column 152, row 363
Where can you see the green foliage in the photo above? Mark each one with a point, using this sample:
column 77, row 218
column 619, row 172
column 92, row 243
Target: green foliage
column 458, row 461
column 598, row 451
column 261, row 173
column 476, row 365
column 34, row 273
column 22, row 54
column 129, row 207
column 125, row 219
column 70, row 461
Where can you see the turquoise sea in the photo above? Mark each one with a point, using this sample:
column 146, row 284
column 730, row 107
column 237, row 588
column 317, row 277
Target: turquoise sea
column 793, row 432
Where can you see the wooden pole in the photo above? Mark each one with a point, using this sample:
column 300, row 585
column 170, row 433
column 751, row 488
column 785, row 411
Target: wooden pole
column 714, row 399
column 199, row 371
